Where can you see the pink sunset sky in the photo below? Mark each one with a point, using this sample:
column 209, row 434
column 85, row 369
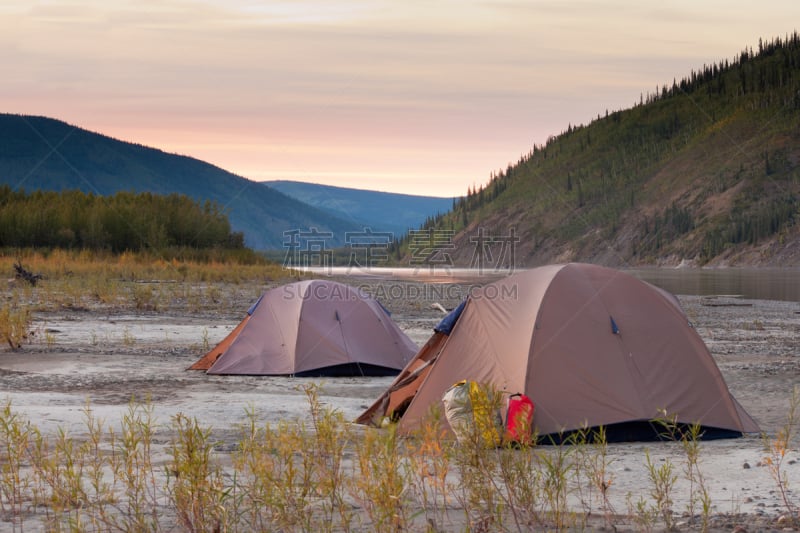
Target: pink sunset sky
column 421, row 97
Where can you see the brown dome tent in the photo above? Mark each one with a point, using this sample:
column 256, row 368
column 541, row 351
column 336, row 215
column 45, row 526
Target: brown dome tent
column 312, row 328
column 591, row 346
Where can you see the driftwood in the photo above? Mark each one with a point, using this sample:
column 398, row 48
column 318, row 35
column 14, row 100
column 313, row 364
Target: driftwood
column 24, row 274
column 440, row 307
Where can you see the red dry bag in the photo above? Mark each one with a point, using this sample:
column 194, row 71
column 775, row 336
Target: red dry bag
column 519, row 418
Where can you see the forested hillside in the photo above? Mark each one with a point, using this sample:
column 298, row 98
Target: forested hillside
column 39, row 153
column 703, row 169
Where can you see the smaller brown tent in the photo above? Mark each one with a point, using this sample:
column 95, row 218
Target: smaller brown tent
column 312, row 328
column 591, row 346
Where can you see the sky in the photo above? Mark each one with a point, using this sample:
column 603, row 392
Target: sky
column 420, row 97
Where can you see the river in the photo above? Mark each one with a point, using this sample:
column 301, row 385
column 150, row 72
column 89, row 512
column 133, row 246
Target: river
column 750, row 283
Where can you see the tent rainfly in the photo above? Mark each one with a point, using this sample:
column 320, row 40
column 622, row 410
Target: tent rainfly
column 591, row 346
column 312, row 328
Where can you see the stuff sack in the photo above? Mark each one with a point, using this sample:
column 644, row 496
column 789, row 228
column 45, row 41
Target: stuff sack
column 473, row 413
column 519, row 420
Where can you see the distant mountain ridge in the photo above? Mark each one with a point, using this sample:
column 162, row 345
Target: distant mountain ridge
column 49, row 154
column 379, row 211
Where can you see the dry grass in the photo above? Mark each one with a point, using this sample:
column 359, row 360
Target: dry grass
column 319, row 475
column 57, row 265
column 84, row 279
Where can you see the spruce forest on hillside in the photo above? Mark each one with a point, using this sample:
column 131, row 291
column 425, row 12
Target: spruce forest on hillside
column 701, row 168
column 122, row 222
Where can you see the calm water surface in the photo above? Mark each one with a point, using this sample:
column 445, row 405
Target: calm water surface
column 751, row 283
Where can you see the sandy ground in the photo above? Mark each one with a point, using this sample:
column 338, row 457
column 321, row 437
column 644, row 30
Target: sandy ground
column 107, row 357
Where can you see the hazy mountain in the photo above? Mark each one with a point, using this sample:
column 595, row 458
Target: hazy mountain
column 380, row 211
column 43, row 153
column 705, row 171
